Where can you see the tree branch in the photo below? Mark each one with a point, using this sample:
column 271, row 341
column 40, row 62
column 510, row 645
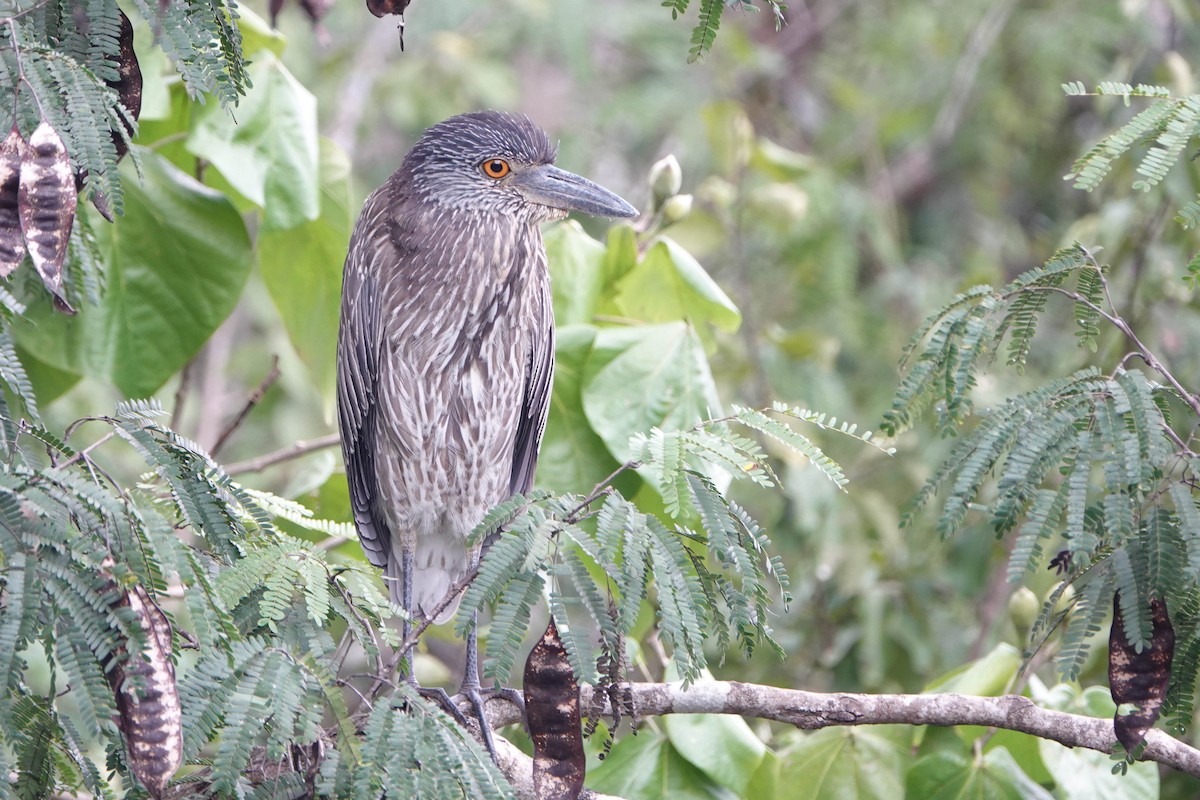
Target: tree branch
column 254, row 399
column 296, row 450
column 813, row 710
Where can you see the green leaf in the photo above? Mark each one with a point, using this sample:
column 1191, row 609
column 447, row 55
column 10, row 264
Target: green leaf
column 1081, row 774
column 258, row 35
column 948, row 775
column 640, row 378
column 720, row 745
column 573, row 458
column 866, row 764
column 1023, row 749
column 302, row 268
column 620, row 255
column 987, row 676
column 270, row 152
column 576, row 272
column 177, row 261
column 647, row 767
column 669, row 284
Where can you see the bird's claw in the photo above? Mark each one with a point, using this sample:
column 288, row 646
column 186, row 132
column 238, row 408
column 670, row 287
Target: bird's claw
column 438, row 695
column 478, row 698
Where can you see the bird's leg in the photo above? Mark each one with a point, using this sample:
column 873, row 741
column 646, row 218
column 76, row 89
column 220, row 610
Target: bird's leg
column 436, row 694
column 473, row 691
column 406, row 590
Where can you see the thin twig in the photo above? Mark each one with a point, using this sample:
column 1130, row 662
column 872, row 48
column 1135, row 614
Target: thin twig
column 185, row 381
column 600, row 488
column 301, row 448
column 85, row 452
column 254, row 399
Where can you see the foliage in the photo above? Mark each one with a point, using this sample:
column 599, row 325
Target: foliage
column 63, row 71
column 1089, row 465
column 705, row 32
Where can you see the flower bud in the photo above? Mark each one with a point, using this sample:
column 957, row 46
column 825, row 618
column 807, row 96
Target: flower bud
column 665, row 179
column 677, row 207
column 1023, row 610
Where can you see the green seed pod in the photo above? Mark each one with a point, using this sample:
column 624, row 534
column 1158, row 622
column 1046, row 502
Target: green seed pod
column 12, row 241
column 46, row 204
column 552, row 710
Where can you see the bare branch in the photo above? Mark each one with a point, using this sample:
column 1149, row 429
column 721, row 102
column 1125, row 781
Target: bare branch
column 301, row 448
column 254, row 399
column 813, row 710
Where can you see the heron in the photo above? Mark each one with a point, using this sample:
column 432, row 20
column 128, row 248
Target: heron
column 446, row 353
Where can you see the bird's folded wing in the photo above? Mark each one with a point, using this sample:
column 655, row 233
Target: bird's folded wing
column 539, row 377
column 357, row 374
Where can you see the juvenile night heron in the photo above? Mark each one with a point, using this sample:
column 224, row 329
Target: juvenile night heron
column 446, row 348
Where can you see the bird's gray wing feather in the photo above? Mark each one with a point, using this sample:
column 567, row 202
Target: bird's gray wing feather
column 357, row 396
column 539, row 377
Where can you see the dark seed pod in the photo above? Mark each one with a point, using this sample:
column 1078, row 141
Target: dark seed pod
column 1139, row 679
column 129, row 92
column 46, row 203
column 552, row 710
column 12, row 241
column 129, row 86
column 149, row 714
column 382, row 8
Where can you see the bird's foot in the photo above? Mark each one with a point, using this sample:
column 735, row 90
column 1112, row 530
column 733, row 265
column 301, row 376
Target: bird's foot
column 478, row 698
column 438, row 695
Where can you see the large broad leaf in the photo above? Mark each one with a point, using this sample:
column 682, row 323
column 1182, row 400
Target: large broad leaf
column 720, row 745
column 948, row 775
column 667, row 284
column 573, row 458
column 269, row 153
column 176, row 264
column 638, row 378
column 576, row 272
column 865, row 764
column 302, row 268
column 647, row 767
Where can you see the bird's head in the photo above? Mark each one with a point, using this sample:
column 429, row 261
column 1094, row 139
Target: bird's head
column 489, row 161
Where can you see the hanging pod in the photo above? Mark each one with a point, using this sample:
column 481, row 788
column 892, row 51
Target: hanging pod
column 46, row 204
column 12, row 241
column 552, row 711
column 149, row 714
column 1139, row 680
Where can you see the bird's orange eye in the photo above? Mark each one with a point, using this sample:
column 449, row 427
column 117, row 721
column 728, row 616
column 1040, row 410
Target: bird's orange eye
column 496, row 168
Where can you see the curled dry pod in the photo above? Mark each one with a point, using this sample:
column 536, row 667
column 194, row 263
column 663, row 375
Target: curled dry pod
column 148, row 710
column 552, row 711
column 129, row 91
column 129, row 85
column 12, row 242
column 1139, row 679
column 46, row 204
